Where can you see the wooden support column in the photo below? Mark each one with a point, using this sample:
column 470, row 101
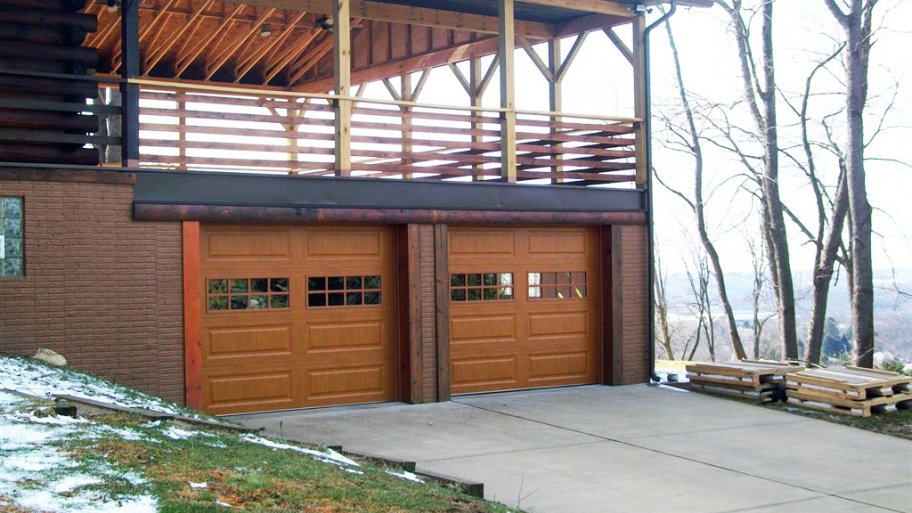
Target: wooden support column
column 292, row 129
column 342, row 82
column 129, row 33
column 182, row 130
column 405, row 88
column 475, row 93
column 506, row 43
column 193, row 315
column 555, row 100
column 639, row 99
column 442, row 293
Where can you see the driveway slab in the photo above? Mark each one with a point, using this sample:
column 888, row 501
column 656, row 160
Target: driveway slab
column 638, row 448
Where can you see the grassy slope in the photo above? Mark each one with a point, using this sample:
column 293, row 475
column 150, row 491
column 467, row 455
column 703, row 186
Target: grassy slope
column 251, row 477
column 247, row 476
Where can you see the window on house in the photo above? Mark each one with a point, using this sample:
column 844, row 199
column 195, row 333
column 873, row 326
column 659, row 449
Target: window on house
column 324, row 291
column 481, row 287
column 12, row 236
column 247, row 294
column 558, row 285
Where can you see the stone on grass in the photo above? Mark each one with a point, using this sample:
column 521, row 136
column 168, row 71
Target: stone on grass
column 50, row 357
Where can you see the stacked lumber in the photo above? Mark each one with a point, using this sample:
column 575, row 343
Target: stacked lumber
column 757, row 379
column 850, row 390
column 42, row 98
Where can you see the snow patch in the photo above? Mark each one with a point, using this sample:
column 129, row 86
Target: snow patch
column 405, row 474
column 327, row 456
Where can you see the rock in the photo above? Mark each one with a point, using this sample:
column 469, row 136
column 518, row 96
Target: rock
column 50, row 357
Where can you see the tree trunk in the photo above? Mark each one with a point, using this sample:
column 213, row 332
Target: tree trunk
column 765, row 120
column 857, row 26
column 823, row 272
column 662, row 313
column 698, row 205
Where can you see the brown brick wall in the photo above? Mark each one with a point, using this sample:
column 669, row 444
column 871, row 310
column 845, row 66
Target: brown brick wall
column 101, row 289
column 635, row 309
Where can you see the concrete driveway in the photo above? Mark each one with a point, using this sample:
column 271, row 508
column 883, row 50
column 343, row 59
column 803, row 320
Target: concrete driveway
column 625, row 449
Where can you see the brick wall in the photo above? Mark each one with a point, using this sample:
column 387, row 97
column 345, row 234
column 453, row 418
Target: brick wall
column 635, row 307
column 101, row 289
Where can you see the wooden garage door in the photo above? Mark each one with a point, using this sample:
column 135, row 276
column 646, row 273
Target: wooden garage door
column 523, row 308
column 296, row 317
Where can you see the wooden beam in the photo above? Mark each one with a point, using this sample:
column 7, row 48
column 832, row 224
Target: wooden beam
column 639, row 98
column 342, row 84
column 129, row 31
column 193, row 21
column 184, row 61
column 276, row 64
column 619, row 44
column 410, row 64
column 555, row 98
column 591, row 6
column 247, row 63
column 166, row 212
column 229, row 51
column 506, row 43
column 422, row 16
column 571, row 56
column 442, row 298
column 193, row 315
column 589, row 23
column 536, row 59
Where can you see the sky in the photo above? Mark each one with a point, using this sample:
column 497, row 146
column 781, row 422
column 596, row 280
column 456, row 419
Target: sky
column 600, row 82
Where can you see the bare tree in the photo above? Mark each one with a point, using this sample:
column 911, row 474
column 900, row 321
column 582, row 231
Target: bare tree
column 661, row 306
column 690, row 139
column 759, row 90
column 857, row 24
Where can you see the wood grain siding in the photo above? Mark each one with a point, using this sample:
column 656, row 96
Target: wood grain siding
column 527, row 338
column 305, row 354
column 428, row 312
column 100, row 288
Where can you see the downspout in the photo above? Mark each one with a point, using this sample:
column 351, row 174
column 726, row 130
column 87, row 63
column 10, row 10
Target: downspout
column 647, row 123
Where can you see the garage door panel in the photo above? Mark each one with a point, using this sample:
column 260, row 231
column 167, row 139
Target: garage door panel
column 559, row 366
column 468, row 244
column 483, row 328
column 546, row 333
column 558, row 324
column 348, row 385
column 237, row 245
column 564, row 244
column 244, row 342
column 344, row 246
column 240, row 391
column 344, row 336
column 484, row 372
column 259, row 354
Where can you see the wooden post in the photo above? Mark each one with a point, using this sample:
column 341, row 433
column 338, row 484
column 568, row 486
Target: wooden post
column 555, row 100
column 292, row 129
column 129, row 33
column 405, row 94
column 475, row 93
column 507, row 43
column 342, row 82
column 639, row 99
column 182, row 129
column 193, row 315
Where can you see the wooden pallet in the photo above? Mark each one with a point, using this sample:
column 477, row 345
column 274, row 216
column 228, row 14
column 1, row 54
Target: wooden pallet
column 851, row 383
column 740, row 374
column 864, row 408
column 763, row 393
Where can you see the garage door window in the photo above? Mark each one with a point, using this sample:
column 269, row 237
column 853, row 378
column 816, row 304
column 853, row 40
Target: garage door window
column 557, row 285
column 481, row 287
column 324, row 291
column 248, row 294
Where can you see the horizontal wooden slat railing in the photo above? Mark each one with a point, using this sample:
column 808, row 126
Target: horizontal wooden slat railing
column 236, row 130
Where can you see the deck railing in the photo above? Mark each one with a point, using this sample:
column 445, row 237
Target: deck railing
column 222, row 129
